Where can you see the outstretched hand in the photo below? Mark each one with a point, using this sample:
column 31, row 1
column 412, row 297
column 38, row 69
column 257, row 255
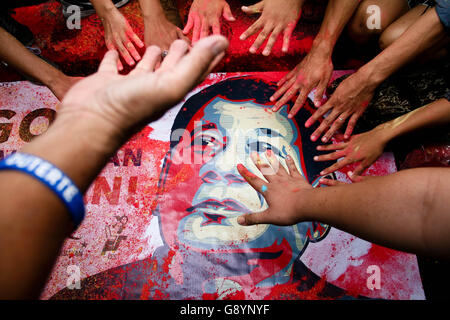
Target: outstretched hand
column 124, row 103
column 282, row 191
column 204, row 16
column 364, row 148
column 277, row 17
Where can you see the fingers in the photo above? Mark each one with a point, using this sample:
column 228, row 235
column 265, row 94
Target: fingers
column 287, row 36
column 351, row 125
column 150, row 60
column 133, row 36
column 253, row 180
column 177, row 50
column 265, row 168
column 270, row 43
column 256, row 8
column 331, row 182
column 260, row 39
column 250, row 219
column 227, row 13
column 360, row 168
column 332, row 146
column 330, row 156
column 304, row 91
column 202, row 58
column 189, row 24
column 251, row 30
column 337, row 124
column 109, row 62
column 181, row 36
column 287, row 84
column 293, row 171
column 110, row 46
column 338, row 165
column 197, row 29
column 320, row 91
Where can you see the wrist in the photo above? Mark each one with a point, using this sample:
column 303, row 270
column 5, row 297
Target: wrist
column 372, row 75
column 322, row 47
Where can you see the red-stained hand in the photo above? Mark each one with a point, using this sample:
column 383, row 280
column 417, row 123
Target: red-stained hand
column 349, row 101
column 364, row 148
column 205, row 15
column 282, row 192
column 314, row 71
column 161, row 32
column 120, row 36
column 276, row 17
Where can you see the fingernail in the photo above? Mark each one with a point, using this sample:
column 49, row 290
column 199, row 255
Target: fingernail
column 241, row 220
column 266, row 52
column 288, row 157
column 252, row 50
column 290, row 116
column 350, row 173
column 313, row 138
column 324, row 139
column 242, row 37
column 317, row 103
column 316, row 158
column 322, row 173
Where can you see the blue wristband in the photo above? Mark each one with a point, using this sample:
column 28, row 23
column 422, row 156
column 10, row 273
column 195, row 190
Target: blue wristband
column 52, row 177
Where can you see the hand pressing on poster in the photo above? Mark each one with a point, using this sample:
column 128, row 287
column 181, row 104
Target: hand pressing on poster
column 118, row 33
column 277, row 17
column 348, row 102
column 314, row 71
column 158, row 31
column 367, row 147
column 406, row 211
column 204, row 17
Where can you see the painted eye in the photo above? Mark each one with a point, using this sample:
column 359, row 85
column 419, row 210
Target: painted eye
column 206, row 144
column 258, row 146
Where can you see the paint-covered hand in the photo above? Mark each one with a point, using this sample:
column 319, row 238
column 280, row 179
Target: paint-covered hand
column 120, row 36
column 282, row 192
column 160, row 32
column 349, row 101
column 122, row 104
column 277, row 17
column 314, row 71
column 364, row 148
column 204, row 16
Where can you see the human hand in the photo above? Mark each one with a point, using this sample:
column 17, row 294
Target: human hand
column 282, row 191
column 349, row 100
column 314, row 71
column 120, row 36
column 364, row 148
column 276, row 17
column 122, row 104
column 160, row 32
column 61, row 85
column 205, row 15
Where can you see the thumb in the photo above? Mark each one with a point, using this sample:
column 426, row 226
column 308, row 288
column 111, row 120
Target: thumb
column 256, row 8
column 250, row 219
column 227, row 13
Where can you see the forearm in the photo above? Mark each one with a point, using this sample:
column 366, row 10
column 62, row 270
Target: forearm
column 434, row 114
column 408, row 211
column 20, row 58
column 103, row 7
column 34, row 221
column 337, row 14
column 422, row 35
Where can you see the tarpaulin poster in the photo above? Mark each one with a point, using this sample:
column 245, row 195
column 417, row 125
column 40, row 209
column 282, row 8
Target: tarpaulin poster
column 161, row 216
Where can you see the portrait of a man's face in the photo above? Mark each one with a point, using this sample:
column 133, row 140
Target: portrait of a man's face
column 215, row 130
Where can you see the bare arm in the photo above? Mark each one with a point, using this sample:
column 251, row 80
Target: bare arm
column 366, row 147
column 407, row 211
column 157, row 29
column 316, row 68
column 98, row 115
column 20, row 58
column 354, row 94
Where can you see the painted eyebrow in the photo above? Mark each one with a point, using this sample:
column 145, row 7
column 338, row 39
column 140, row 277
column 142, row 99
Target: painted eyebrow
column 268, row 132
